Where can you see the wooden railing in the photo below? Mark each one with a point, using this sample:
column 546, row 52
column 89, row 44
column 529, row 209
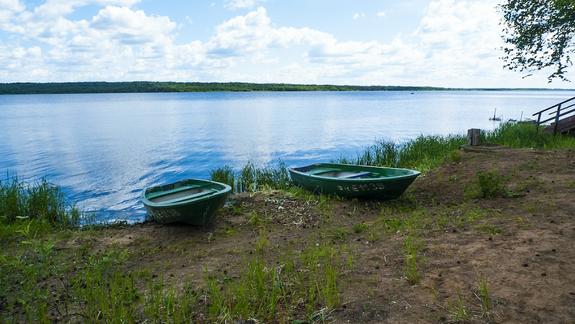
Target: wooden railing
column 556, row 112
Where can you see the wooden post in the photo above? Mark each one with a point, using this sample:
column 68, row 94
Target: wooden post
column 538, row 121
column 557, row 119
column 473, row 136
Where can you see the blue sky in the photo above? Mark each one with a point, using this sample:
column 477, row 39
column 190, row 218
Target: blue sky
column 451, row 43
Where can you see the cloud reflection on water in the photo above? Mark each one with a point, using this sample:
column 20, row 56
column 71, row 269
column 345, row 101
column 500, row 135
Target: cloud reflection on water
column 103, row 149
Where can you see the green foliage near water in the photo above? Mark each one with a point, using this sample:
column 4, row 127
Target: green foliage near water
column 41, row 201
column 39, row 283
column 225, row 175
column 422, row 153
column 253, row 178
column 526, row 135
column 427, row 152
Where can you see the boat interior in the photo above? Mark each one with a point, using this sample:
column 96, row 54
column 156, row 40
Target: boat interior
column 339, row 174
column 179, row 194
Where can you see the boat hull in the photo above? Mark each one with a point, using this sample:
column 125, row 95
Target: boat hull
column 199, row 211
column 390, row 184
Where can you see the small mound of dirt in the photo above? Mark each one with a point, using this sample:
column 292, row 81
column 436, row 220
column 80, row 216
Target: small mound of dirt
column 279, row 208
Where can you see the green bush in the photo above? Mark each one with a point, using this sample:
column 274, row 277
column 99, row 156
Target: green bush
column 491, row 184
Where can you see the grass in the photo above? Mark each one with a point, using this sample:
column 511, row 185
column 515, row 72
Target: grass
column 337, row 234
column 37, row 286
column 39, row 201
column 360, row 228
column 458, row 310
column 42, row 280
column 489, row 229
column 422, row 153
column 414, row 221
column 166, row 305
column 269, row 292
column 255, row 219
column 252, row 178
column 225, row 175
column 427, row 152
column 524, row 135
column 487, row 185
column 411, row 261
column 484, row 297
column 491, row 184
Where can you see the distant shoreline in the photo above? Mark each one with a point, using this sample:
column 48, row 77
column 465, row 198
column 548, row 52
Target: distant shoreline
column 159, row 87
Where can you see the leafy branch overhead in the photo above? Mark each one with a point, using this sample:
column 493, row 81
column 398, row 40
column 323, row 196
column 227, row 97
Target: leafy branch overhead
column 539, row 34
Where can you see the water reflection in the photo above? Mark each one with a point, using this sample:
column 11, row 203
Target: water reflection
column 104, row 148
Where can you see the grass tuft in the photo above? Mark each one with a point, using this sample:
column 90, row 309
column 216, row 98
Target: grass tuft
column 484, row 298
column 225, row 175
column 491, row 184
column 41, row 201
column 411, row 248
column 360, row 228
column 458, row 310
column 252, row 178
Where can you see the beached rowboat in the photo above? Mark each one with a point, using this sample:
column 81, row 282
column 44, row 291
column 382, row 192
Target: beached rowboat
column 189, row 201
column 354, row 180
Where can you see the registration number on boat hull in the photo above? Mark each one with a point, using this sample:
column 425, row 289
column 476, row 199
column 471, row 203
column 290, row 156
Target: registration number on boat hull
column 360, row 187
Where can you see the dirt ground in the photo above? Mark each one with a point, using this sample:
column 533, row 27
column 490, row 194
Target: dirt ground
column 522, row 246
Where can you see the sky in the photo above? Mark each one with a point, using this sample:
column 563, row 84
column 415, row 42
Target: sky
column 445, row 43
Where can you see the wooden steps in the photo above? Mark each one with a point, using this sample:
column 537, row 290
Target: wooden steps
column 565, row 126
column 561, row 116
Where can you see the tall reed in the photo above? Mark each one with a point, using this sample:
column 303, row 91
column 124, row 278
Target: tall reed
column 526, row 135
column 252, row 178
column 422, row 153
column 41, row 201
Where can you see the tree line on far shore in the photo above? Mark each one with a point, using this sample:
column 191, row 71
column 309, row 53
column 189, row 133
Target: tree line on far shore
column 149, row 86
column 146, row 86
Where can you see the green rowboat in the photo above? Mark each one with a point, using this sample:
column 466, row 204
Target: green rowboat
column 189, row 201
column 349, row 180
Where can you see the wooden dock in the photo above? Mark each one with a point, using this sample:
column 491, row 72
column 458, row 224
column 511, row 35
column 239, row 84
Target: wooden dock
column 562, row 117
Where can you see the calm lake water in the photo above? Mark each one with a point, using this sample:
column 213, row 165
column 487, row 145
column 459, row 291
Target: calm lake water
column 103, row 149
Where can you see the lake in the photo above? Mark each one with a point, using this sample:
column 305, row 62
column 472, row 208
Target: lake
column 103, row 149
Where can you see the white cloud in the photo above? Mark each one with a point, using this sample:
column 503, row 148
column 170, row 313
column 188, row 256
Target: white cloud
column 461, row 39
column 358, row 15
column 254, row 32
column 8, row 9
column 132, row 27
column 59, row 8
column 11, row 5
column 242, row 4
column 381, row 14
column 456, row 44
